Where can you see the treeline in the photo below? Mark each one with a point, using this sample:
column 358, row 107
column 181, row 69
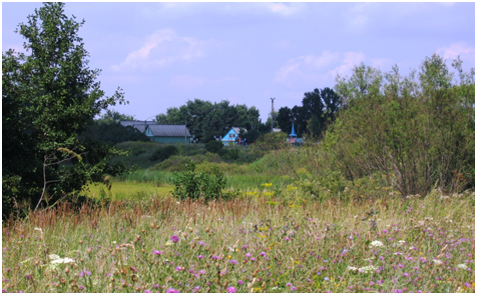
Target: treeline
column 207, row 120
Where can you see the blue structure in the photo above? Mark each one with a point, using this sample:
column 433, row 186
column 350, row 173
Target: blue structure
column 232, row 138
column 292, row 137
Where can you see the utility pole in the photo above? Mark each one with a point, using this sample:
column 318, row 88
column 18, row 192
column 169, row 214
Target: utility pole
column 272, row 99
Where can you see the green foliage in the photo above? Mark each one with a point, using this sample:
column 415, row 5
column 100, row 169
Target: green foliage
column 199, row 185
column 113, row 133
column 177, row 163
column 319, row 108
column 214, row 146
column 111, row 117
column 206, row 120
column 164, row 153
column 271, row 141
column 421, row 131
column 48, row 97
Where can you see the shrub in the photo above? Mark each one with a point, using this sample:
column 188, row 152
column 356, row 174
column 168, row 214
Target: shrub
column 199, row 185
column 164, row 153
column 214, row 146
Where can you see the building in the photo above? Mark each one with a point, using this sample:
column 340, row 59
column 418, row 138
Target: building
column 232, row 138
column 161, row 133
column 292, row 138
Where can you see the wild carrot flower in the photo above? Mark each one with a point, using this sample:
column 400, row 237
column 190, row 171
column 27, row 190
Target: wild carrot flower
column 376, row 244
column 437, row 261
column 462, row 266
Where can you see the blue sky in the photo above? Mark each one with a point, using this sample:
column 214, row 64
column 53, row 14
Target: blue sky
column 163, row 54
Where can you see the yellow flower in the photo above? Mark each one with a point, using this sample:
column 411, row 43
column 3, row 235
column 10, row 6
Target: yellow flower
column 267, row 184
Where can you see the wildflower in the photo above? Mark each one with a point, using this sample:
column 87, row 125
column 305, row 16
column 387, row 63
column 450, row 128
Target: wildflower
column 376, row 244
column 437, row 261
column 200, row 256
column 172, row 290
column 263, row 254
column 248, row 255
column 462, row 266
column 231, row 289
column 233, row 261
column 240, row 282
column 85, row 271
column 293, row 288
column 401, row 242
column 352, row 268
column 175, row 239
column 367, row 269
column 147, row 291
column 289, row 284
column 157, row 252
column 326, row 278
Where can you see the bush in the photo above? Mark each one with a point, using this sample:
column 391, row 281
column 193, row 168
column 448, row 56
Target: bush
column 164, row 153
column 194, row 185
column 214, row 146
column 420, row 130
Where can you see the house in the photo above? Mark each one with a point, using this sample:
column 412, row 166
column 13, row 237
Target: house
column 161, row 133
column 139, row 125
column 168, row 133
column 232, row 138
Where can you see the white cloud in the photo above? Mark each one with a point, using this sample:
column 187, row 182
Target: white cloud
column 325, row 66
column 162, row 48
column 454, row 50
column 285, row 9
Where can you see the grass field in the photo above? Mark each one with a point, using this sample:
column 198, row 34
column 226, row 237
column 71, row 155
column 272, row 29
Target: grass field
column 250, row 245
column 128, row 190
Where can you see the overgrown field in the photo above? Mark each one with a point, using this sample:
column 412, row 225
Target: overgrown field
column 249, row 244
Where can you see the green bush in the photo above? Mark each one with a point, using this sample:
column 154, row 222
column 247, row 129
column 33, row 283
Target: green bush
column 199, row 185
column 164, row 153
column 214, row 146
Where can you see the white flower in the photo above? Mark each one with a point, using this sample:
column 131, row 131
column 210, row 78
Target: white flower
column 53, row 256
column 367, row 269
column 462, row 266
column 352, row 268
column 376, row 244
column 437, row 261
column 401, row 242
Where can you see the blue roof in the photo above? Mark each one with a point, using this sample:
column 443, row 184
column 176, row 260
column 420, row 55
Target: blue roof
column 292, row 131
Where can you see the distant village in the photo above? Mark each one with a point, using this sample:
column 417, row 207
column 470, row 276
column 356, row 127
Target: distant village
column 180, row 133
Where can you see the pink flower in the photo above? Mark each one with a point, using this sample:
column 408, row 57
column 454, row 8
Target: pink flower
column 231, row 290
column 175, row 239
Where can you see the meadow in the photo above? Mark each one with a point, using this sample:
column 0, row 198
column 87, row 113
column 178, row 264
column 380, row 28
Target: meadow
column 256, row 242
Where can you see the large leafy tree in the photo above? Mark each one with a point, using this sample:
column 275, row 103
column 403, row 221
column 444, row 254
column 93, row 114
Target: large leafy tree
column 48, row 96
column 417, row 130
column 206, row 120
column 318, row 109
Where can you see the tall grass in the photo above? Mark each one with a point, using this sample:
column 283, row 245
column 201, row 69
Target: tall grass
column 245, row 245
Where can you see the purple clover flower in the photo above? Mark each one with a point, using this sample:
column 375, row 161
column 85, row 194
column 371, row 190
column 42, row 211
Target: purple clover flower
column 231, row 289
column 175, row 239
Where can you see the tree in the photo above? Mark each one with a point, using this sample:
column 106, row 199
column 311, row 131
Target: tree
column 48, row 97
column 318, row 110
column 113, row 117
column 418, row 132
column 206, row 120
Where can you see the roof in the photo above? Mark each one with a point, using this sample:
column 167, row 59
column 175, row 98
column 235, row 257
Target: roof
column 237, row 129
column 134, row 123
column 169, row 130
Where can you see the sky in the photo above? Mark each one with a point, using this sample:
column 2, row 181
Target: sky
column 164, row 54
